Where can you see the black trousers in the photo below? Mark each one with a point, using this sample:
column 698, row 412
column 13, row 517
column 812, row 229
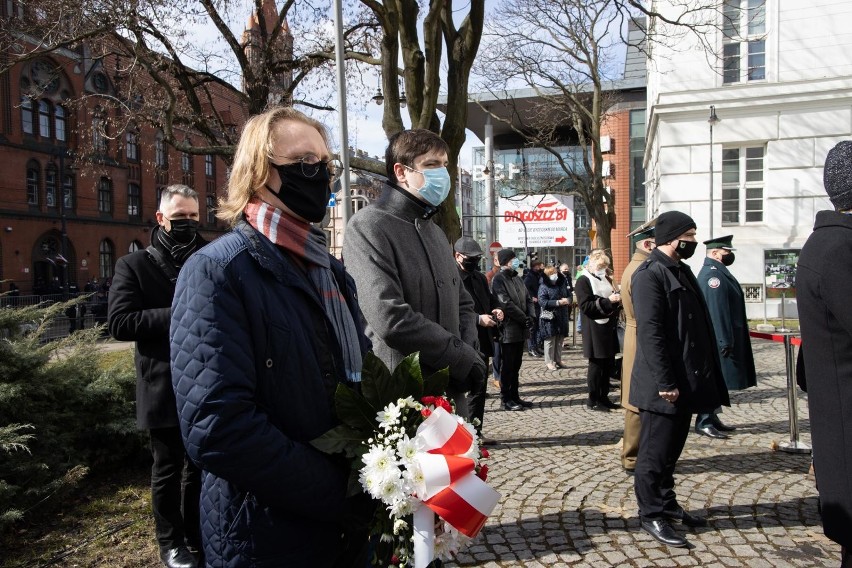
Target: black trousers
column 512, row 355
column 497, row 360
column 661, row 441
column 598, row 378
column 476, row 398
column 175, row 491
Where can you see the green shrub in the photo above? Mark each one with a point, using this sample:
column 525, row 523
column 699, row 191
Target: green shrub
column 64, row 408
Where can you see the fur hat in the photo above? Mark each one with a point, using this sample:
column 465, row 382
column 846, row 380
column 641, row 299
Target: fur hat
column 837, row 176
column 505, row 255
column 670, row 225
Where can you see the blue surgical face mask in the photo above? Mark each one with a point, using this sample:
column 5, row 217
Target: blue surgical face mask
column 515, row 264
column 436, row 185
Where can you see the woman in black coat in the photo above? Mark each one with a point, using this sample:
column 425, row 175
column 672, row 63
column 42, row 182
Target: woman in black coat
column 553, row 319
column 599, row 306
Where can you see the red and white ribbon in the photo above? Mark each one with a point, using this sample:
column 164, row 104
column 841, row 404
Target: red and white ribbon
column 452, row 489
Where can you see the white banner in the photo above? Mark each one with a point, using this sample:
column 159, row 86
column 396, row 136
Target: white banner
column 549, row 221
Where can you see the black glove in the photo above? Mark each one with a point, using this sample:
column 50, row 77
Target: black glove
column 529, row 323
column 726, row 352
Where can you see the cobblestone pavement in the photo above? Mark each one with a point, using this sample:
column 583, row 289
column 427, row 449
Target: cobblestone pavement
column 567, row 502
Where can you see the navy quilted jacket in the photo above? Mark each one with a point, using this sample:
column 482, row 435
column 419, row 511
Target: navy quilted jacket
column 254, row 365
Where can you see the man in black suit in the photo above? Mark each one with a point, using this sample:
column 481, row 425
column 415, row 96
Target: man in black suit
column 676, row 371
column 140, row 301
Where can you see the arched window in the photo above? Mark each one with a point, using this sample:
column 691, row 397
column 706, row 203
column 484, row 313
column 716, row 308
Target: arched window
column 185, row 162
column 134, row 201
column 105, row 195
column 107, row 258
column 161, row 155
column 50, row 186
column 32, row 182
column 132, row 145
column 44, row 119
column 27, row 115
column 59, row 123
column 68, row 184
column 134, row 246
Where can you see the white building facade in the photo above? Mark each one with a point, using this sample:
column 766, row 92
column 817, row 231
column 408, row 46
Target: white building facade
column 781, row 85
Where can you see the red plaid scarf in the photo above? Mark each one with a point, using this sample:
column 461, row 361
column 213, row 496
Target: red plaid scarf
column 307, row 244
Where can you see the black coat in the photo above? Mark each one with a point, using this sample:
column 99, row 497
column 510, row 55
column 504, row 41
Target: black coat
column 549, row 294
column 725, row 300
column 483, row 303
column 600, row 340
column 675, row 343
column 825, row 316
column 516, row 303
column 140, row 308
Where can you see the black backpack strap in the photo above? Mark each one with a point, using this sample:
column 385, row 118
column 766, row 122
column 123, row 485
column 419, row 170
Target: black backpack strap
column 157, row 258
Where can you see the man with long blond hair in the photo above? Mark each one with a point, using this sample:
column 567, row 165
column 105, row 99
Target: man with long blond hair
column 265, row 326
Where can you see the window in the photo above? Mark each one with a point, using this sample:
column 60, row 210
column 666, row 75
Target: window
column 50, row 186
column 59, row 123
column 211, row 210
column 107, row 256
column 637, row 170
column 44, row 119
column 105, row 195
column 742, row 185
column 134, row 201
column 99, row 132
column 132, row 146
column 68, row 184
column 744, row 41
column 27, row 115
column 209, row 169
column 185, row 162
column 161, row 155
column 134, row 246
column 32, row 183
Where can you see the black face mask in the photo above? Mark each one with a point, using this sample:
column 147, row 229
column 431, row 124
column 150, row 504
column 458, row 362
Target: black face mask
column 305, row 196
column 728, row 259
column 567, row 275
column 183, row 230
column 685, row 249
column 471, row 263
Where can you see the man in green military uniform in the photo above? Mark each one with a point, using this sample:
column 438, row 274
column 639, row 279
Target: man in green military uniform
column 726, row 303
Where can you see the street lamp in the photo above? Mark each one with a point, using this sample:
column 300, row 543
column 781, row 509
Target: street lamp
column 712, row 120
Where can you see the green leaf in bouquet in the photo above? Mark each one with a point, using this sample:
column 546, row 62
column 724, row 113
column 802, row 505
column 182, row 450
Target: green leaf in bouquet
column 341, row 438
column 436, row 384
column 408, row 378
column 354, row 410
column 374, row 374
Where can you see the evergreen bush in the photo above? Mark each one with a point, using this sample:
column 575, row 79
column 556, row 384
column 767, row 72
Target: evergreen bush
column 64, row 409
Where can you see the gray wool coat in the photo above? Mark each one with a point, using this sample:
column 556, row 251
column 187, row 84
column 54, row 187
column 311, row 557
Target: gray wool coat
column 409, row 287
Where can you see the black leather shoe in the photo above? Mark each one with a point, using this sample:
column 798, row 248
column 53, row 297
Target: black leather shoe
column 629, row 471
column 609, row 404
column 710, row 432
column 662, row 531
column 597, row 407
column 723, row 427
column 178, row 557
column 524, row 403
column 688, row 519
column 512, row 406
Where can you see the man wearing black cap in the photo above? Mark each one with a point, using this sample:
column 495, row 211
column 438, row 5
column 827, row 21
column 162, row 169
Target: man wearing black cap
column 643, row 237
column 469, row 257
column 726, row 303
column 519, row 316
column 825, row 314
column 676, row 371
